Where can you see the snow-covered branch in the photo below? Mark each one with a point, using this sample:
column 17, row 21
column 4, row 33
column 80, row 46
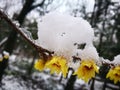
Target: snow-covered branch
column 65, row 35
column 16, row 28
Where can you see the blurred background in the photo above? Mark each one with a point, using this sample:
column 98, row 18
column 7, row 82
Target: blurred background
column 18, row 73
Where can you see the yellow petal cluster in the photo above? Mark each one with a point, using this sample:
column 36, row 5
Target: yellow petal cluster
column 6, row 56
column 87, row 70
column 58, row 64
column 1, row 59
column 39, row 64
column 114, row 74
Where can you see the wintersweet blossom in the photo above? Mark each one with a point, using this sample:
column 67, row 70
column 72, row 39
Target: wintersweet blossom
column 87, row 70
column 40, row 64
column 5, row 55
column 114, row 74
column 1, row 58
column 58, row 64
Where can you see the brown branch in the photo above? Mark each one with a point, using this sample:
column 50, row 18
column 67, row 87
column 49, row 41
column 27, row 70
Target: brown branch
column 107, row 62
column 41, row 50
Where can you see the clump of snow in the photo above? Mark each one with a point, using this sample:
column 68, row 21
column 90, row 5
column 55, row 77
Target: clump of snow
column 65, row 34
column 89, row 53
column 116, row 60
column 60, row 32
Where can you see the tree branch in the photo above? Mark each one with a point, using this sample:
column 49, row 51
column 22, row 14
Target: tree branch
column 3, row 42
column 38, row 5
column 41, row 50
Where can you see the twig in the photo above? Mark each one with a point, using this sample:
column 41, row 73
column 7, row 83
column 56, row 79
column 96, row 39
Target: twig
column 3, row 42
column 41, row 50
column 107, row 62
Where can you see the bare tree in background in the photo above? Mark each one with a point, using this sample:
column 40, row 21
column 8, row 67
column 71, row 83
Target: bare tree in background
column 9, row 46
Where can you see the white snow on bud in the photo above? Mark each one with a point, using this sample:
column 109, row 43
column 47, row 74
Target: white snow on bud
column 61, row 33
column 5, row 53
column 116, row 60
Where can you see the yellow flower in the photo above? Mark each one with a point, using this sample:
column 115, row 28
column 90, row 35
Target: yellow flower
column 39, row 64
column 114, row 74
column 6, row 56
column 87, row 70
column 1, row 59
column 58, row 64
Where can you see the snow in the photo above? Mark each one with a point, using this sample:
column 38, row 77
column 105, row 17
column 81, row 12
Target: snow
column 16, row 23
column 116, row 60
column 14, row 80
column 11, row 83
column 12, row 58
column 50, row 82
column 5, row 53
column 89, row 53
column 99, row 83
column 60, row 32
column 27, row 33
column 74, row 65
column 11, row 6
